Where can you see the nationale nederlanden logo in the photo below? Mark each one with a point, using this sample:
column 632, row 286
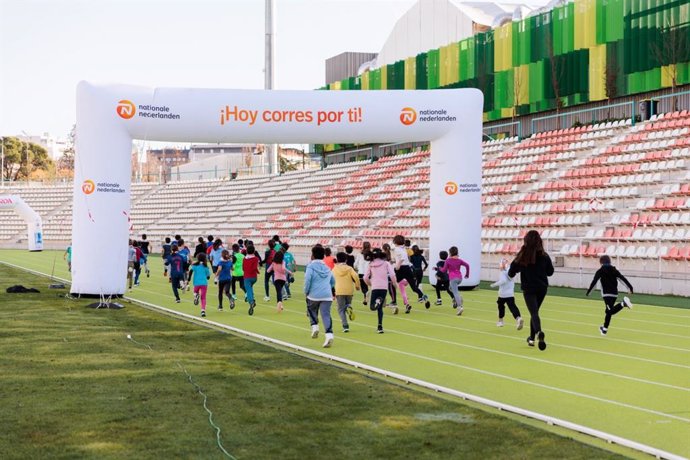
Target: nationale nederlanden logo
column 408, row 115
column 451, row 188
column 88, row 187
column 126, row 109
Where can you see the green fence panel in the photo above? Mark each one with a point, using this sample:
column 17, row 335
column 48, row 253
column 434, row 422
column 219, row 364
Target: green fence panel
column 433, row 67
column 421, row 71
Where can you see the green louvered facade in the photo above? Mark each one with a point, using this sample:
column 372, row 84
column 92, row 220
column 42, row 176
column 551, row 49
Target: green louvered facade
column 587, row 50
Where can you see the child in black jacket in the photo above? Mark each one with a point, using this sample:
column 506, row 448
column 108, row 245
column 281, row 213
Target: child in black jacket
column 609, row 276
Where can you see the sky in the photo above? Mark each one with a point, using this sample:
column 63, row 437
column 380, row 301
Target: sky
column 48, row 46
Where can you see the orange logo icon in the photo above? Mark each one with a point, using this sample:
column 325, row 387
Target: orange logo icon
column 126, row 109
column 408, row 115
column 451, row 188
column 88, row 187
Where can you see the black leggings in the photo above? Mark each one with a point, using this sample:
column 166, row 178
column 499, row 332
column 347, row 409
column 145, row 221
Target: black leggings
column 378, row 301
column 238, row 279
column 268, row 276
column 405, row 273
column 442, row 286
column 510, row 301
column 418, row 275
column 533, row 300
column 392, row 291
column 364, row 286
column 223, row 288
column 611, row 309
column 279, row 284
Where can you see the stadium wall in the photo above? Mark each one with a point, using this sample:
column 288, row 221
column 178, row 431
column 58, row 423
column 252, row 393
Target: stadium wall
column 583, row 51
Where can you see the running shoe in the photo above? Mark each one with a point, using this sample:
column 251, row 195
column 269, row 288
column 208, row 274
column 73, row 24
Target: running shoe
column 232, row 304
column 203, row 313
column 460, row 310
column 314, row 331
column 408, row 309
column 627, row 303
column 439, row 302
column 395, row 310
column 541, row 340
column 267, row 298
column 329, row 341
column 220, row 308
column 350, row 313
column 530, row 341
column 346, row 330
column 379, row 330
column 603, row 330
column 499, row 323
column 251, row 308
column 520, row 322
column 177, row 300
column 196, row 299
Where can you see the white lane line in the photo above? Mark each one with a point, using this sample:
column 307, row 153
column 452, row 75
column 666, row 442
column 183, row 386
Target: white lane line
column 530, row 358
column 590, row 300
column 547, row 307
column 492, row 374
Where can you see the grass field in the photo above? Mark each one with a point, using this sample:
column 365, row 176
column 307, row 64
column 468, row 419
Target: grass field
column 633, row 383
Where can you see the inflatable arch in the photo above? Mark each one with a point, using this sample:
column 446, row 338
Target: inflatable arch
column 110, row 116
column 31, row 217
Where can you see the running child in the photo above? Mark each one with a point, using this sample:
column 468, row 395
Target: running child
column 609, row 275
column 145, row 250
column 346, row 282
column 280, row 275
column 452, row 267
column 318, row 289
column 224, row 277
column 176, row 264
column 268, row 261
column 237, row 269
column 67, row 256
column 184, row 251
column 250, row 267
column 419, row 264
column 403, row 271
column 506, row 296
column 377, row 276
column 199, row 275
column 291, row 265
column 350, row 257
column 392, row 289
column 442, row 284
column 534, row 266
column 328, row 258
column 215, row 256
column 131, row 258
column 361, row 265
column 166, row 252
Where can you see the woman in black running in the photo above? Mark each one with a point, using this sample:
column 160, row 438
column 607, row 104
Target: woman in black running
column 534, row 266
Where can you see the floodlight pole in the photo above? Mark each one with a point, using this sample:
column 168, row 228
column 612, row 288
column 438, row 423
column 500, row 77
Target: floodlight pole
column 272, row 149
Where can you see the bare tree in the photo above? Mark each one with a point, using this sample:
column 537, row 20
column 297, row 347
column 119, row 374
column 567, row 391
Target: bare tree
column 671, row 48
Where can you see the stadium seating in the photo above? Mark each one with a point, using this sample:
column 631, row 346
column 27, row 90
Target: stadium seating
column 609, row 188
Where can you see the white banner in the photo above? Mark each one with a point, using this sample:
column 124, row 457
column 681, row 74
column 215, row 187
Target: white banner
column 33, row 221
column 109, row 117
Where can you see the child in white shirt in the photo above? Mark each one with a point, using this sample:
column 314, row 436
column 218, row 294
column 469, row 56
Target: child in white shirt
column 506, row 295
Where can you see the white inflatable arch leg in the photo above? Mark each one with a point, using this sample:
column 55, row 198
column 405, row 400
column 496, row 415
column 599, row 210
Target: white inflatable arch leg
column 33, row 221
column 109, row 117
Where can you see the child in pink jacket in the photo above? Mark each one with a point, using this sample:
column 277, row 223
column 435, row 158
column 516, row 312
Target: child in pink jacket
column 453, row 267
column 376, row 277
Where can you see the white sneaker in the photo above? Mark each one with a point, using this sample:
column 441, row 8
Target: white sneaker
column 460, row 310
column 499, row 323
column 520, row 323
column 329, row 340
column 627, row 303
column 267, row 298
column 314, row 331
